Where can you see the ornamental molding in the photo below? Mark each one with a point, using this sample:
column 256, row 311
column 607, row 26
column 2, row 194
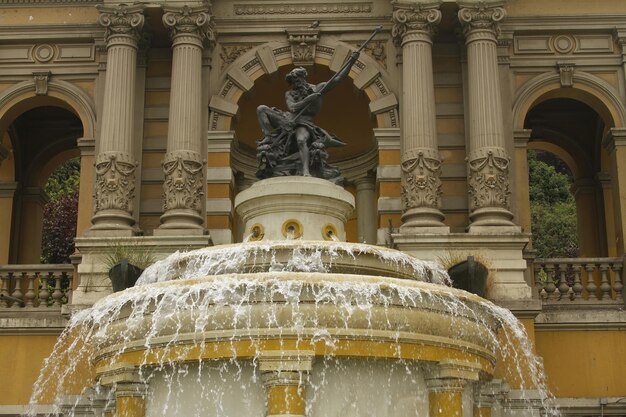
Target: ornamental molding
column 229, row 53
column 481, row 17
column 488, row 178
column 29, row 3
column 115, row 181
column 421, row 183
column 183, row 186
column 121, row 20
column 188, row 20
column 303, row 44
column 409, row 18
column 299, row 8
column 41, row 82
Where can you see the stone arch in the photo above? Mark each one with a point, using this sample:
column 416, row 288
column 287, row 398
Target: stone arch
column 574, row 157
column 367, row 76
column 22, row 97
column 587, row 88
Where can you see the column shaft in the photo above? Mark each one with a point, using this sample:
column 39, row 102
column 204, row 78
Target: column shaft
column 445, row 397
column 420, row 161
column 284, row 376
column 366, row 209
column 488, row 161
column 183, row 164
column 115, row 162
column 130, row 400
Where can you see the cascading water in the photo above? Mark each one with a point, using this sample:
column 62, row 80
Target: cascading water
column 293, row 328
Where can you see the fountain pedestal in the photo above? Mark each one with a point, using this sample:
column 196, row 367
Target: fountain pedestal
column 294, row 207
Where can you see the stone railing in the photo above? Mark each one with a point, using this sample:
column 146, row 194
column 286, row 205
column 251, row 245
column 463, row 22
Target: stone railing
column 579, row 280
column 39, row 287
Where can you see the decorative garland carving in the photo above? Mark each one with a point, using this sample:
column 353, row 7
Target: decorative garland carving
column 121, row 20
column 115, row 181
column 489, row 178
column 229, row 53
column 377, row 50
column 186, row 20
column 414, row 18
column 482, row 16
column 183, row 184
column 421, row 183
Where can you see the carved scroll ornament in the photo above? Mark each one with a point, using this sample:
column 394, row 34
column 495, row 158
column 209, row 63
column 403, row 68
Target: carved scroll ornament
column 188, row 20
column 412, row 18
column 482, row 17
column 421, row 183
column 121, row 20
column 183, row 184
column 115, row 181
column 489, row 178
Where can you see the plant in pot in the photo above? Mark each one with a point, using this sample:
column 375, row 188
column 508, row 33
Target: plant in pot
column 126, row 263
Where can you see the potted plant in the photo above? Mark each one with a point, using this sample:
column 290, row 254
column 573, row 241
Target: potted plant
column 126, row 263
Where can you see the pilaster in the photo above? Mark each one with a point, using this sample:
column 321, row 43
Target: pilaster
column 366, row 208
column 183, row 166
column 487, row 160
column 615, row 144
column 413, row 29
column 115, row 162
column 520, row 140
column 86, row 186
column 7, row 192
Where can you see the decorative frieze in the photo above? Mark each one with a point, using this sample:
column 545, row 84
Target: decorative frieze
column 115, row 181
column 489, row 178
column 303, row 43
column 421, row 183
column 184, row 181
column 121, row 20
column 302, row 8
column 482, row 17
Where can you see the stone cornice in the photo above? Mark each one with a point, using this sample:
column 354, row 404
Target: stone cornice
column 578, row 22
column 58, row 33
column 43, row 3
column 414, row 17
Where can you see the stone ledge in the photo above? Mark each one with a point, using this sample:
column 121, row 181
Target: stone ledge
column 581, row 317
column 18, row 322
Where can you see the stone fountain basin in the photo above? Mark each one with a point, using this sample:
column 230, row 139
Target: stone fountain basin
column 295, row 256
column 392, row 318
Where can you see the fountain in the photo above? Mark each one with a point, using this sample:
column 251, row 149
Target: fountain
column 292, row 322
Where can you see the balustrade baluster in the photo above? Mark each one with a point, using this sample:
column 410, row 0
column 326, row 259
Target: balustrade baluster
column 591, row 286
column 57, row 295
column 4, row 290
column 29, row 297
column 17, row 291
column 550, row 287
column 618, row 286
column 605, row 286
column 577, row 288
column 44, row 294
column 563, row 286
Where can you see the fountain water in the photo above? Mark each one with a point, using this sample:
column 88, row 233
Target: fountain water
column 289, row 327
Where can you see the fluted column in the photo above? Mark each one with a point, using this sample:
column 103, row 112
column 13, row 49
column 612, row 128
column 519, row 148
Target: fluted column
column 413, row 29
column 487, row 160
column 115, row 162
column 366, row 209
column 285, row 375
column 183, row 165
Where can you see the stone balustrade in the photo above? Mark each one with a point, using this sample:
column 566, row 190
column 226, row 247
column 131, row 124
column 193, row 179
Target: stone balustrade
column 579, row 280
column 40, row 287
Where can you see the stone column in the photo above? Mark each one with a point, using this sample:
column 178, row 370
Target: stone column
column 183, row 165
column 7, row 193
column 33, row 200
column 445, row 387
column 284, row 375
column 588, row 218
column 487, row 160
column 366, row 209
column 130, row 399
column 414, row 26
column 615, row 143
column 115, row 162
column 87, row 148
column 486, row 395
column 521, row 138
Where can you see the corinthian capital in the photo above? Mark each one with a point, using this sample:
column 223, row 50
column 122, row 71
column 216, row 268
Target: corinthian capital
column 483, row 16
column 121, row 19
column 410, row 17
column 186, row 20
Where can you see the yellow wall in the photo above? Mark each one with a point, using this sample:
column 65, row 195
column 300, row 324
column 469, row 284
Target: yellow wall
column 21, row 358
column 584, row 363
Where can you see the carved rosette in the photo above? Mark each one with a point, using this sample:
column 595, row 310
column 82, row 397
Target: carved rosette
column 421, row 183
column 483, row 17
column 115, row 181
column 193, row 21
column 121, row 20
column 303, row 43
column 489, row 178
column 183, row 184
column 413, row 19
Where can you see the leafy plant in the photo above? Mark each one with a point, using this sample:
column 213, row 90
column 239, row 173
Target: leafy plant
column 137, row 255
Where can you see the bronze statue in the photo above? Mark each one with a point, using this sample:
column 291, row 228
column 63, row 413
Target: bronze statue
column 292, row 144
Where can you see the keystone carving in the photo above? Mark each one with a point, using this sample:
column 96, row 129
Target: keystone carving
column 115, row 181
column 183, row 184
column 414, row 18
column 482, row 16
column 121, row 20
column 421, row 183
column 303, row 43
column 41, row 82
column 186, row 20
column 489, row 178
